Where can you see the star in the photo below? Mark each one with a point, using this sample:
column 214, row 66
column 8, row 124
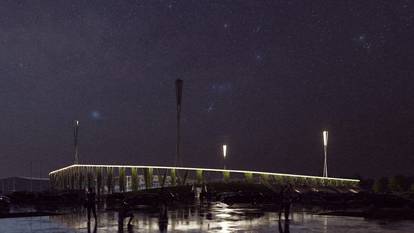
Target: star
column 259, row 57
column 362, row 41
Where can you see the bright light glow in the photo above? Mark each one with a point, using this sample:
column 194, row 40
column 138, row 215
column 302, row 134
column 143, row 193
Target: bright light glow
column 198, row 169
column 325, row 138
column 77, row 123
column 224, row 151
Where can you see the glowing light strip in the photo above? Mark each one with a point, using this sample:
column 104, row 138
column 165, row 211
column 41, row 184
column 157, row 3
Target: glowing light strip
column 203, row 169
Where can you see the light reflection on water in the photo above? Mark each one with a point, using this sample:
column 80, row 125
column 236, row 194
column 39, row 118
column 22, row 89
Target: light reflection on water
column 215, row 218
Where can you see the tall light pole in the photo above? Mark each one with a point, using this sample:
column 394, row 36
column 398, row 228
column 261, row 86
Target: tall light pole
column 224, row 155
column 75, row 134
column 179, row 91
column 325, row 152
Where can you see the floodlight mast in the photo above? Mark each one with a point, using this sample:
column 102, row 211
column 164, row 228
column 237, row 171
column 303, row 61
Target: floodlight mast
column 325, row 152
column 75, row 134
column 178, row 90
column 224, row 155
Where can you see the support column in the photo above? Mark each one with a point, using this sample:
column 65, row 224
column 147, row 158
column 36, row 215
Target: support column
column 109, row 179
column 173, row 177
column 249, row 177
column 148, row 177
column 199, row 176
column 134, row 179
column 122, row 180
column 226, row 176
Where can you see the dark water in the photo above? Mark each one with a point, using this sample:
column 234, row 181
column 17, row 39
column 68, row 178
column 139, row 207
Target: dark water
column 215, row 218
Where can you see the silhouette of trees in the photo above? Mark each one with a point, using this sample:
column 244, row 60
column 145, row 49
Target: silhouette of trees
column 380, row 185
column 395, row 184
column 398, row 183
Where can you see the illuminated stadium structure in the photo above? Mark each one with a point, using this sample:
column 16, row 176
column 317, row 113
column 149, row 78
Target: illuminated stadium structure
column 121, row 178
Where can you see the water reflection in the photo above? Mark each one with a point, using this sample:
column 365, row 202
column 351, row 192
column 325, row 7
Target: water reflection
column 285, row 228
column 219, row 217
column 95, row 227
column 163, row 218
column 325, row 224
column 216, row 217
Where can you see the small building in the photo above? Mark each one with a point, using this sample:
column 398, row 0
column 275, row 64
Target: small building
column 19, row 184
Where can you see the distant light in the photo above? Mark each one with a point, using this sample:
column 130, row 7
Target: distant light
column 325, row 138
column 76, row 122
column 224, row 150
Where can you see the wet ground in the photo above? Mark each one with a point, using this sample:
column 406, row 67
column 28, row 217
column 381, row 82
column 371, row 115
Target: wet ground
column 215, row 218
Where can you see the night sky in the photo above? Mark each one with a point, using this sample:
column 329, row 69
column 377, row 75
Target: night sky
column 265, row 77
